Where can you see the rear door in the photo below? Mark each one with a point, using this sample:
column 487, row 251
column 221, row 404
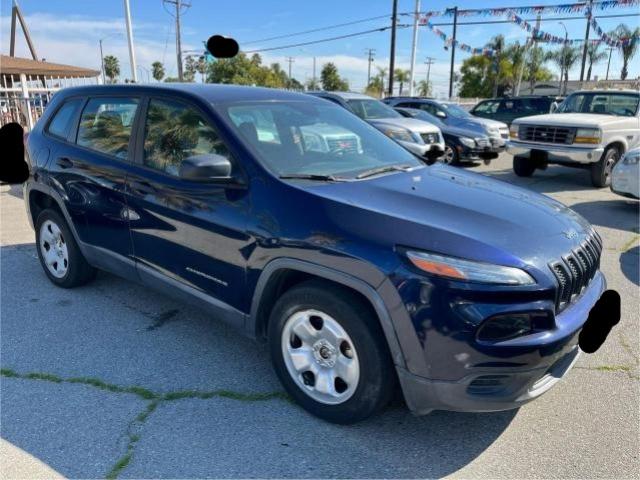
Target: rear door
column 184, row 231
column 88, row 171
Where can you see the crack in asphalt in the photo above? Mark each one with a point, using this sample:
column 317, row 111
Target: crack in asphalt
column 153, row 399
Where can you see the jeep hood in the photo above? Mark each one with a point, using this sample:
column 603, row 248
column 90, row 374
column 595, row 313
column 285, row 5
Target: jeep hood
column 446, row 210
column 587, row 120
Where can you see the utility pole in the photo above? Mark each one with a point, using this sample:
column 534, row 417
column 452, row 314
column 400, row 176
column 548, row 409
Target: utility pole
column 429, row 61
column 392, row 56
column 101, row 62
column 290, row 60
column 611, row 49
column 586, row 41
column 180, row 7
column 370, row 53
column 132, row 52
column 453, row 50
column 414, row 46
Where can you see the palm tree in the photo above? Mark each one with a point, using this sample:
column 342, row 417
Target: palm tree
column 424, row 88
column 382, row 74
column 158, row 71
column 566, row 57
column 401, row 76
column 497, row 44
column 629, row 50
column 111, row 68
column 594, row 55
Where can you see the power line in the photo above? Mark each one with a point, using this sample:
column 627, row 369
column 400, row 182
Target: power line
column 282, row 47
column 181, row 6
column 320, row 29
column 555, row 19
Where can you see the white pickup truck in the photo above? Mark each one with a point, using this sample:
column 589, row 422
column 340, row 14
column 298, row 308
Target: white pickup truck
column 590, row 129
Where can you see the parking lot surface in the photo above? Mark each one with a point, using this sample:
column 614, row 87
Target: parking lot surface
column 112, row 379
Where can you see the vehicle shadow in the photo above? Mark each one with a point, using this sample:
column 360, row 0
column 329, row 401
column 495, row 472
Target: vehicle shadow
column 13, row 190
column 630, row 264
column 555, row 178
column 120, row 333
column 619, row 214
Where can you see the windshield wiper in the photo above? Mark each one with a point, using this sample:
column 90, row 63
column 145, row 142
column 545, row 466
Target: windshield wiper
column 386, row 168
column 309, row 176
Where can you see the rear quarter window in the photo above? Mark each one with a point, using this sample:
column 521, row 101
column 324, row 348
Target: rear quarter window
column 60, row 123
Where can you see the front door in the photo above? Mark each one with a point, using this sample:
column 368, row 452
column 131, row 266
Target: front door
column 186, row 231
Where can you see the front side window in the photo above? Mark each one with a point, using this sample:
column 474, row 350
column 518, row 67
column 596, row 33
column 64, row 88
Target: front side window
column 372, row 109
column 175, row 131
column 486, row 107
column 621, row 104
column 303, row 138
column 61, row 122
column 105, row 125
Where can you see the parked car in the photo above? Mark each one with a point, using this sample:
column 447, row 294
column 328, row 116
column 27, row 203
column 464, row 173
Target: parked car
column 455, row 116
column 361, row 267
column 423, row 139
column 509, row 108
column 460, row 144
column 590, row 129
column 625, row 176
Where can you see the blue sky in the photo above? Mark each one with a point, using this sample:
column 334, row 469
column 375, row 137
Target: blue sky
column 68, row 31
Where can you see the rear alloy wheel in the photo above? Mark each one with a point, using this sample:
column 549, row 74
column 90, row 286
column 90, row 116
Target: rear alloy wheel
column 450, row 156
column 523, row 166
column 330, row 353
column 601, row 170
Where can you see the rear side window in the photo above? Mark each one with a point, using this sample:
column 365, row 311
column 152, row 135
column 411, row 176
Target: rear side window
column 105, row 125
column 61, row 121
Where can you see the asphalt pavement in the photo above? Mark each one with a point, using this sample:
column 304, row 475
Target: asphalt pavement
column 113, row 379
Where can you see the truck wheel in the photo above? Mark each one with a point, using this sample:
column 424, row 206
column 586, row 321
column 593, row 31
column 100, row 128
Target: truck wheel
column 329, row 353
column 58, row 252
column 601, row 170
column 450, row 156
column 523, row 166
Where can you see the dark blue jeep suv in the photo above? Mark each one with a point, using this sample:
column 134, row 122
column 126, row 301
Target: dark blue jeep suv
column 292, row 219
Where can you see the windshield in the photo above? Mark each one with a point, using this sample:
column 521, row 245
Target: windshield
column 604, row 103
column 301, row 138
column 455, row 110
column 372, row 109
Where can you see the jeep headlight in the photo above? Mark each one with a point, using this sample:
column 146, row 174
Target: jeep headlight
column 588, row 135
column 469, row 142
column 400, row 135
column 513, row 130
column 468, row 270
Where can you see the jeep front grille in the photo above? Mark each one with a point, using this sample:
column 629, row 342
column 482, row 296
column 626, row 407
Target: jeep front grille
column 542, row 134
column 575, row 270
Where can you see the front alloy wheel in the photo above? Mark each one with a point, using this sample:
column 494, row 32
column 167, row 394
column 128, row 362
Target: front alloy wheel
column 53, row 249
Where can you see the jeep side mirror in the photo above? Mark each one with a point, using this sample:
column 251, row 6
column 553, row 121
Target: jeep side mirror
column 441, row 114
column 202, row 168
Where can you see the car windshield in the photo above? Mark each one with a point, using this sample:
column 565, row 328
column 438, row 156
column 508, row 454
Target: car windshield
column 604, row 103
column 313, row 140
column 370, row 109
column 455, row 110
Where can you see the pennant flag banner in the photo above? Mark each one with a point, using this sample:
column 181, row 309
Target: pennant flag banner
column 562, row 8
column 612, row 42
column 544, row 36
column 449, row 42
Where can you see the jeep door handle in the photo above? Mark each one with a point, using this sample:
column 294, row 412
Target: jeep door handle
column 64, row 162
column 142, row 187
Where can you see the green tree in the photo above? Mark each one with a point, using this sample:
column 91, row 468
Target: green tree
column 565, row 58
column 111, row 68
column 375, row 87
column 535, row 70
column 331, row 80
column 629, row 50
column 172, row 80
column 190, row 66
column 158, row 71
column 313, row 84
column 401, row 76
column 477, row 77
column 201, row 67
column 497, row 44
column 381, row 77
column 594, row 55
column 424, row 88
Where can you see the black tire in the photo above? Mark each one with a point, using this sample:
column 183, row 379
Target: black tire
column 450, row 155
column 601, row 170
column 376, row 382
column 78, row 271
column 523, row 167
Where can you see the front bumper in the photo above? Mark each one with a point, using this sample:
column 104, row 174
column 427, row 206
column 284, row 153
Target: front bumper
column 427, row 150
column 464, row 374
column 625, row 181
column 556, row 153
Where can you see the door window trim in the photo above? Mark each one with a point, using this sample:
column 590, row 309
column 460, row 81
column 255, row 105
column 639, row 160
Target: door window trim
column 73, row 122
